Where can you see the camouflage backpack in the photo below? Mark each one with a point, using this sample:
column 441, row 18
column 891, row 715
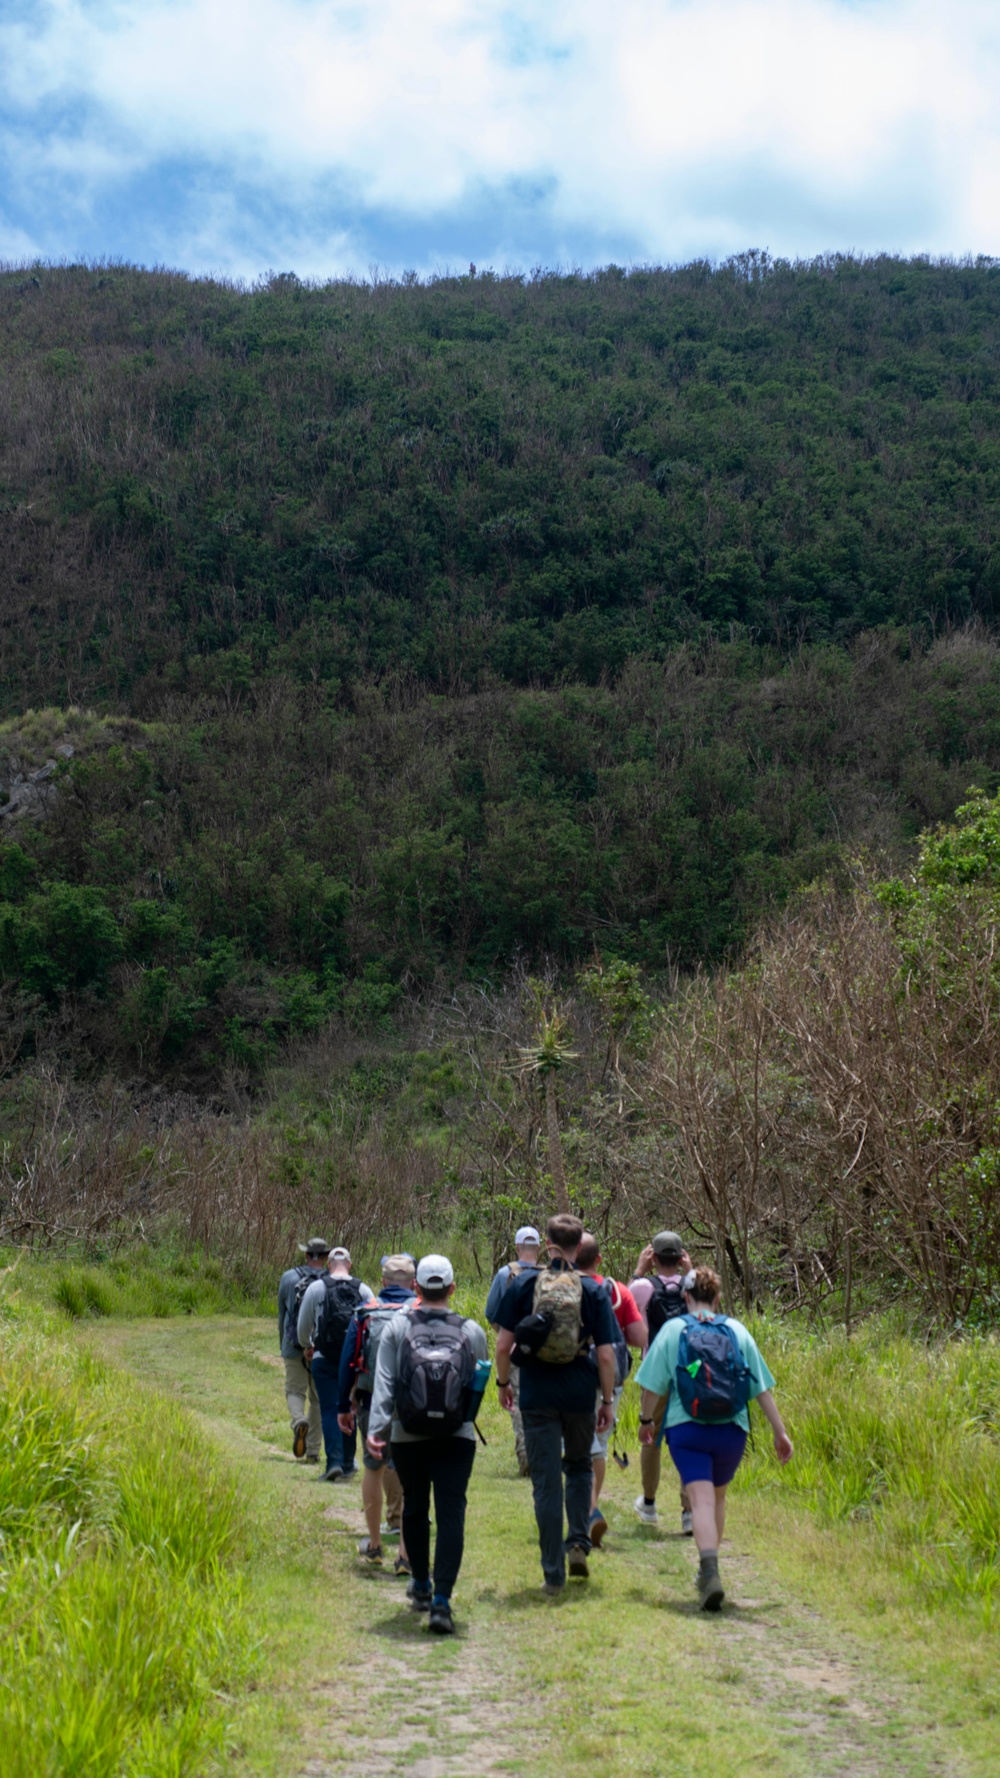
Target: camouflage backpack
column 560, row 1295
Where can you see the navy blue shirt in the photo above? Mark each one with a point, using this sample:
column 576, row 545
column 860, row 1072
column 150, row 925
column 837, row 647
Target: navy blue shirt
column 571, row 1387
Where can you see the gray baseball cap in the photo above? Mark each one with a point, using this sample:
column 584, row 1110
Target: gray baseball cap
column 317, row 1248
column 667, row 1245
column 435, row 1271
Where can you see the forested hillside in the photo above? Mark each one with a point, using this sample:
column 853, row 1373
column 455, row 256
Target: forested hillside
column 378, row 634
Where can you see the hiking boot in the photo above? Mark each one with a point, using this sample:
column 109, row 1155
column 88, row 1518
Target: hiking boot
column 299, row 1436
column 576, row 1561
column 344, row 1475
column 710, row 1589
column 597, row 1527
column 311, row 1457
column 333, row 1474
column 370, row 1553
column 687, row 1525
column 441, row 1622
column 402, row 1568
column 419, row 1597
column 554, row 1589
column 647, row 1511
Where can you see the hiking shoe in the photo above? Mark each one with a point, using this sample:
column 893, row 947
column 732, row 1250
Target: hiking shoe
column 523, row 1466
column 333, row 1474
column 576, row 1561
column 419, row 1597
column 554, row 1589
column 441, row 1622
column 391, row 1532
column 647, row 1513
column 344, row 1475
column 687, row 1525
column 299, row 1436
column 597, row 1527
column 402, row 1568
column 370, row 1553
column 311, row 1457
column 710, row 1589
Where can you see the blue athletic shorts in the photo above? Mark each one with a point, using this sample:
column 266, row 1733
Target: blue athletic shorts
column 706, row 1453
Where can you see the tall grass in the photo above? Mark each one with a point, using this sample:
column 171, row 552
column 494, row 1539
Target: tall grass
column 121, row 1630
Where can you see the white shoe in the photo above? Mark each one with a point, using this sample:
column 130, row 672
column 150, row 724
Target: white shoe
column 687, row 1525
column 648, row 1514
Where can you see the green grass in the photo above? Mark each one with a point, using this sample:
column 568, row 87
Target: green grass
column 122, row 1539
column 139, row 1283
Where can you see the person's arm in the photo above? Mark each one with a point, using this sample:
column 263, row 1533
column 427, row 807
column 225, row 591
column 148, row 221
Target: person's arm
column 282, row 1311
column 783, row 1446
column 650, row 1405
column 307, row 1318
column 636, row 1335
column 605, row 1356
column 645, row 1263
column 505, row 1346
column 345, row 1377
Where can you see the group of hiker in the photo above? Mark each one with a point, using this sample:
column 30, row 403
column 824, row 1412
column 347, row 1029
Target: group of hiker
column 402, row 1372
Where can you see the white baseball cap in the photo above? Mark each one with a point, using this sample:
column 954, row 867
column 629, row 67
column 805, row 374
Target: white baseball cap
column 339, row 1253
column 435, row 1271
column 527, row 1237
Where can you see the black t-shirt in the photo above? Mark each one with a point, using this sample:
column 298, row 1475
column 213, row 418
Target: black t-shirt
column 570, row 1387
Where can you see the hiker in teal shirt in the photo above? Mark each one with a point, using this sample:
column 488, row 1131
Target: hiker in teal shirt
column 721, row 1383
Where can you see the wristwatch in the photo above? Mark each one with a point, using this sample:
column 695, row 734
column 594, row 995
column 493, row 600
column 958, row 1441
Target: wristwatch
column 609, row 1403
column 503, row 1382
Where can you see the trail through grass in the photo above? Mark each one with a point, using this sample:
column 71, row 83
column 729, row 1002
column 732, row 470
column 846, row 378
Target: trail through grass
column 823, row 1663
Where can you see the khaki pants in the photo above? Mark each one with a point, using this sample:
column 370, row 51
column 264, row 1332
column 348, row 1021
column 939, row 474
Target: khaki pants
column 649, row 1463
column 303, row 1403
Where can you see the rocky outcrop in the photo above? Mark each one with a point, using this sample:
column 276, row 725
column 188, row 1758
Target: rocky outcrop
column 29, row 793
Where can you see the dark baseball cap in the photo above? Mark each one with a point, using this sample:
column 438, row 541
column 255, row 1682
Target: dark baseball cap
column 667, row 1245
column 317, row 1248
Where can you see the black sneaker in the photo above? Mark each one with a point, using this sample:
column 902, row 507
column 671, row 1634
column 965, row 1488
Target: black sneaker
column 441, row 1621
column 299, row 1436
column 576, row 1562
column 419, row 1598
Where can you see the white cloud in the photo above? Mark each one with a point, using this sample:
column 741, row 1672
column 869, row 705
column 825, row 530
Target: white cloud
column 683, row 125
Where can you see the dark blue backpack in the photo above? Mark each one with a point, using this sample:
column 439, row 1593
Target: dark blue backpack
column 713, row 1382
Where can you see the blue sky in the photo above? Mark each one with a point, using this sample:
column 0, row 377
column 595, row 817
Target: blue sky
column 323, row 138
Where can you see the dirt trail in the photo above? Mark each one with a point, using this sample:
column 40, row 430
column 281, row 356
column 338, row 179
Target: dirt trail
column 528, row 1686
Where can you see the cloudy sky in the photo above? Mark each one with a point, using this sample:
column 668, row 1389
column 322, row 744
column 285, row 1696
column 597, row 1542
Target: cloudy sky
column 322, row 137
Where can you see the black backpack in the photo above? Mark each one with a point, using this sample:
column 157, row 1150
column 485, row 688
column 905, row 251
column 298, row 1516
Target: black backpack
column 434, row 1373
column 665, row 1304
column 306, row 1277
column 341, row 1301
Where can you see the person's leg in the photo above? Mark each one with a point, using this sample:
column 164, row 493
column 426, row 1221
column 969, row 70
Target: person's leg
column 413, row 1469
column 578, row 1438
column 314, row 1437
column 296, row 1391
column 393, row 1498
column 520, row 1448
column 450, row 1468
column 600, row 1471
column 543, row 1443
column 720, row 1515
column 702, row 1498
column 650, row 1460
column 324, row 1377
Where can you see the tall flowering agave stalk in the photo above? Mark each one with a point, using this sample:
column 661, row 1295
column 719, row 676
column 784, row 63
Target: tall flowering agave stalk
column 544, row 1058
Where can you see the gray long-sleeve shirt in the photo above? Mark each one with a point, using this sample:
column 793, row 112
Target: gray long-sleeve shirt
column 382, row 1413
column 312, row 1303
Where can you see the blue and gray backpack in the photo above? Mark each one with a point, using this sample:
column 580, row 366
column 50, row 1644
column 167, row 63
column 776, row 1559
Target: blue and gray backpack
column 712, row 1377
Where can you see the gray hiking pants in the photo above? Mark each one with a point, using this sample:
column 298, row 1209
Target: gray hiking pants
column 559, row 1445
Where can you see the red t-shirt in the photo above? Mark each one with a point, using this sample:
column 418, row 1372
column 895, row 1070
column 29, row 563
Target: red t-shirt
column 626, row 1309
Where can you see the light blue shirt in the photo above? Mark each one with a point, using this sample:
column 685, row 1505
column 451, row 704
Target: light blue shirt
column 657, row 1370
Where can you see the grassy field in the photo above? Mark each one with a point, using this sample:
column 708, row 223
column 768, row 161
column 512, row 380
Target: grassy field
column 178, row 1597
column 830, row 1658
